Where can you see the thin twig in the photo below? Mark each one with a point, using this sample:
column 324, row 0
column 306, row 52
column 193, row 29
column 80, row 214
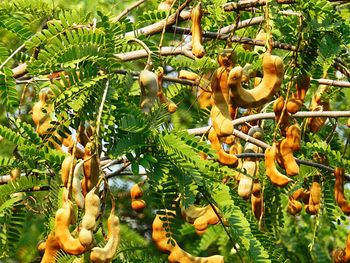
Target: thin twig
column 254, row 3
column 126, row 11
column 119, row 171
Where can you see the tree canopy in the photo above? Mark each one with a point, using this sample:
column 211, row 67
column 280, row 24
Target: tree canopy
column 178, row 130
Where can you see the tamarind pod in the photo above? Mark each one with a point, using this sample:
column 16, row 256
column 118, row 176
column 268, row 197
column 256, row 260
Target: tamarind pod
column 227, row 139
column 176, row 254
column 92, row 210
column 257, row 81
column 185, row 74
column 192, row 212
column 86, row 237
column 51, row 249
column 223, row 157
column 317, row 104
column 314, row 199
column 246, row 183
column 148, row 82
column 270, row 84
column 278, row 109
column 227, row 58
column 106, row 254
column 257, row 200
column 302, row 85
column 286, row 148
column 294, row 207
column 165, row 5
column 196, row 29
column 294, row 105
column 66, row 241
column 236, row 148
column 83, row 137
column 138, row 205
column 339, row 191
column 136, row 192
column 221, row 118
column 251, row 148
column 65, row 168
column 76, row 185
column 41, row 246
column 91, row 166
column 274, row 175
column 171, row 106
column 208, row 218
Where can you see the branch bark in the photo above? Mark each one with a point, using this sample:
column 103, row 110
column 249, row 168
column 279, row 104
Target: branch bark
column 251, row 3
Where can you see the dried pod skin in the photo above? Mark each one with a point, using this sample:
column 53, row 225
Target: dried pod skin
column 294, row 205
column 314, row 199
column 51, row 248
column 257, row 200
column 274, row 175
column 137, row 204
column 223, row 157
column 339, row 190
column 270, row 84
column 278, row 109
column 66, row 241
column 176, row 254
column 106, row 254
column 185, row 74
column 85, row 237
column 148, row 82
column 256, row 132
column 42, row 111
column 302, row 85
column 196, row 29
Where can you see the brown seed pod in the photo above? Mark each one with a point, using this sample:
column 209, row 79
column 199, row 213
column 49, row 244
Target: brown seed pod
column 106, row 254
column 246, row 182
column 171, row 106
column 176, row 254
column 148, row 82
column 339, row 191
column 286, row 149
column 51, row 248
column 294, row 105
column 196, row 29
column 137, row 204
column 278, row 109
column 315, row 198
column 91, row 168
column 318, row 104
column 275, row 176
column 65, row 168
column 294, row 205
column 302, row 85
column 220, row 113
column 257, row 200
column 223, row 157
column 65, row 239
column 270, row 84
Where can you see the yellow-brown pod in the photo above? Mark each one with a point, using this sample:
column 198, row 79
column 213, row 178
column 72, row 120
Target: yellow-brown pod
column 278, row 109
column 347, row 250
column 318, row 104
column 196, row 29
column 91, row 167
column 250, row 98
column 294, row 105
column 51, row 248
column 41, row 112
column 294, row 205
column 223, row 157
column 274, row 175
column 148, row 82
column 302, row 85
column 287, row 147
column 66, row 241
column 137, row 204
column 257, row 200
column 313, row 206
column 339, row 191
column 67, row 163
column 171, row 106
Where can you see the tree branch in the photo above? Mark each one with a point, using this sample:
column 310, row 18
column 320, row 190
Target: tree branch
column 126, row 11
column 271, row 115
column 252, row 3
